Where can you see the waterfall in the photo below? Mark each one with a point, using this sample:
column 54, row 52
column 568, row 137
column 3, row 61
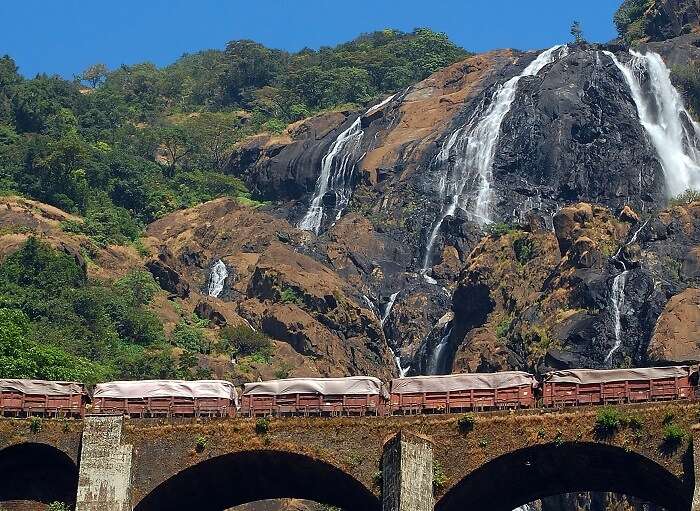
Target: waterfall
column 337, row 169
column 389, row 306
column 387, row 310
column 436, row 363
column 216, row 278
column 617, row 298
column 617, row 294
column 672, row 131
column 472, row 148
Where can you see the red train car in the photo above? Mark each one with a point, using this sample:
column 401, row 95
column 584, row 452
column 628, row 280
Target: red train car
column 24, row 398
column 167, row 398
column 355, row 395
column 591, row 387
column 460, row 392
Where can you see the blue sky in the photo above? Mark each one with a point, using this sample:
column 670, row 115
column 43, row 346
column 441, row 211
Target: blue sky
column 65, row 36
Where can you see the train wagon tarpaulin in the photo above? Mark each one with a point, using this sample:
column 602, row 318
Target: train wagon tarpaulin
column 41, row 387
column 457, row 382
column 167, row 388
column 352, row 385
column 584, row 376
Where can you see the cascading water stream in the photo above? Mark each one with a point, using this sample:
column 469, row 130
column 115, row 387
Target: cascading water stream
column 385, row 315
column 676, row 138
column 337, row 168
column 472, row 147
column 436, row 363
column 617, row 294
column 216, row 278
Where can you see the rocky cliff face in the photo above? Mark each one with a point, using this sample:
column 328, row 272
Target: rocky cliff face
column 566, row 285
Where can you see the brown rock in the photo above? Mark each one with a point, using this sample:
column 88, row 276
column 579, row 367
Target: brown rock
column 676, row 336
column 628, row 215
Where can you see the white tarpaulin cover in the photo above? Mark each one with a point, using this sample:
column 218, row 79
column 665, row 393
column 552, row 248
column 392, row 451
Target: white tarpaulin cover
column 359, row 385
column 41, row 387
column 167, row 388
column 464, row 381
column 583, row 376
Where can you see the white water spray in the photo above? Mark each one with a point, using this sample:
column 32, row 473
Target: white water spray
column 337, row 168
column 672, row 131
column 436, row 362
column 387, row 310
column 472, row 148
column 216, row 278
column 389, row 305
column 617, row 298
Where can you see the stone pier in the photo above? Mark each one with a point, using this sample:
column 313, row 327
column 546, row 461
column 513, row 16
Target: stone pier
column 104, row 479
column 407, row 474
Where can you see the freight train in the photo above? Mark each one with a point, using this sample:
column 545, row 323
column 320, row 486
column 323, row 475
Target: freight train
column 355, row 395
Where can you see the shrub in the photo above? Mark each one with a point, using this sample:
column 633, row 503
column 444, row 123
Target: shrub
column 377, row 478
column 503, row 327
column 262, row 426
column 635, row 422
column 244, row 341
column 58, row 506
column 498, row 229
column 524, row 249
column 190, row 338
column 439, row 477
column 284, row 370
column 668, row 418
column 466, row 422
column 608, row 420
column 35, row 425
column 674, row 434
column 483, row 442
column 289, row 295
column 200, row 443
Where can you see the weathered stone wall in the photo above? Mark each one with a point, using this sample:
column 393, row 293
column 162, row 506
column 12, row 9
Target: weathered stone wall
column 407, row 474
column 105, row 467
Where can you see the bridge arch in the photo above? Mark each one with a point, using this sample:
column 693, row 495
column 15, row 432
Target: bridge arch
column 229, row 480
column 37, row 472
column 528, row 474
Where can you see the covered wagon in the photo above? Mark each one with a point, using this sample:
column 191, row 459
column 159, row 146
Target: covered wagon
column 44, row 398
column 167, row 398
column 459, row 392
column 354, row 395
column 596, row 386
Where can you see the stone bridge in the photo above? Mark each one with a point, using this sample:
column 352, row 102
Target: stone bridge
column 416, row 463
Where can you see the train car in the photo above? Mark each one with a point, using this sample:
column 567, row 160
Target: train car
column 461, row 392
column 166, row 398
column 24, row 398
column 355, row 395
column 592, row 387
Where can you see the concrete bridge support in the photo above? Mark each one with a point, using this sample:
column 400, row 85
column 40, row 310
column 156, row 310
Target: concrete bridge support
column 407, row 474
column 104, row 479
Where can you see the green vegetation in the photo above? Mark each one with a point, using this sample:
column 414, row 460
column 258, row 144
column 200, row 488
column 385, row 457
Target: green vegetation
column 503, row 327
column 674, row 434
column 262, row 425
column 243, row 341
column 58, row 506
column 439, row 476
column 56, row 324
column 35, row 425
column 608, row 420
column 524, row 249
column 124, row 147
column 290, row 295
column 200, row 443
column 577, row 32
column 630, row 19
column 498, row 229
column 466, row 422
column 687, row 79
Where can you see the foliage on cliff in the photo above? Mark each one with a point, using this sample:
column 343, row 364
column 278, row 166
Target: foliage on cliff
column 139, row 142
column 57, row 324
